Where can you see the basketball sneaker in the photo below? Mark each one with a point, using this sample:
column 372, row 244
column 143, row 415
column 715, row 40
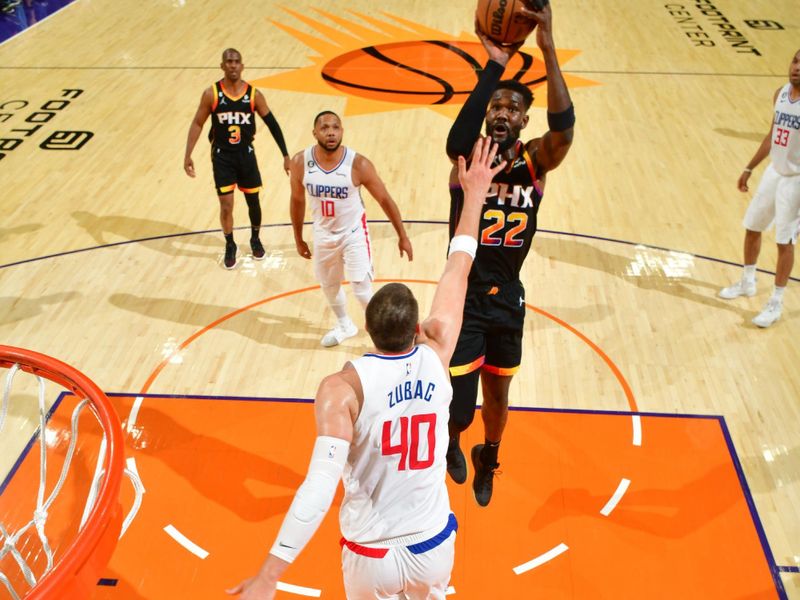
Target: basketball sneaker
column 456, row 463
column 339, row 334
column 483, row 482
column 258, row 248
column 230, row 256
column 770, row 314
column 740, row 288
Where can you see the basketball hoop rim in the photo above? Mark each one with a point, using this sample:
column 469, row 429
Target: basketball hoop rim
column 105, row 517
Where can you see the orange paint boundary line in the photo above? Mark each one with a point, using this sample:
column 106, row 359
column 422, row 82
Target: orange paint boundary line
column 610, row 363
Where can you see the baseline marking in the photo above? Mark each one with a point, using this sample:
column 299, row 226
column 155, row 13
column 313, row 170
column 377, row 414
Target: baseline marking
column 299, row 590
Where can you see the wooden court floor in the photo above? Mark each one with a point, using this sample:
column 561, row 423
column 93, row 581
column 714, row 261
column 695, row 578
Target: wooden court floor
column 110, row 260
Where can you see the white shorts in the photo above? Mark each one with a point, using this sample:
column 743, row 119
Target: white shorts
column 345, row 255
column 777, row 199
column 400, row 574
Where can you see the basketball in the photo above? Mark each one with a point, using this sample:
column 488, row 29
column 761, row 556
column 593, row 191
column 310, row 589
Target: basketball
column 502, row 22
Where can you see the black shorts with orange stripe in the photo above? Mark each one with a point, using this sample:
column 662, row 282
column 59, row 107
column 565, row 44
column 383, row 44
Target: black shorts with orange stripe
column 491, row 334
column 235, row 169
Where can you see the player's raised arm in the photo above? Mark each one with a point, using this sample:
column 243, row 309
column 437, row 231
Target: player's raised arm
column 553, row 146
column 467, row 126
column 441, row 328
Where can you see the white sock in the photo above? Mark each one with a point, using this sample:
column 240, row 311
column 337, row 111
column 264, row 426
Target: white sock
column 749, row 274
column 337, row 301
column 777, row 293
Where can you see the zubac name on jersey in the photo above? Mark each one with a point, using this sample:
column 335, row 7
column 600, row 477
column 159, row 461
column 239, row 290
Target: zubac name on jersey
column 417, row 390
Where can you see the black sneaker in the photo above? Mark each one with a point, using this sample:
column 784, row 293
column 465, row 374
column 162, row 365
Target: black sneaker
column 484, row 477
column 230, row 256
column 456, row 463
column 258, row 248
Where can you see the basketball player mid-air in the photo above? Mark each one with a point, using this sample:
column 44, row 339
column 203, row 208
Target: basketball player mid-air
column 233, row 104
column 398, row 530
column 332, row 175
column 490, row 344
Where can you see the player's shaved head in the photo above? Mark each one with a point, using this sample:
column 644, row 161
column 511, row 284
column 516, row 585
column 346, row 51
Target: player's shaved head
column 229, row 51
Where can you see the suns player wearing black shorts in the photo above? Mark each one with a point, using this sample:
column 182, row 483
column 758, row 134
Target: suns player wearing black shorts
column 490, row 344
column 234, row 103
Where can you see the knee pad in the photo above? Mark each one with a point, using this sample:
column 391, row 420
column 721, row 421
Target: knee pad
column 363, row 291
column 465, row 398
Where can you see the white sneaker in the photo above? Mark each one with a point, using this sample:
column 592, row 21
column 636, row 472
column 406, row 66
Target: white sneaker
column 740, row 288
column 770, row 314
column 338, row 334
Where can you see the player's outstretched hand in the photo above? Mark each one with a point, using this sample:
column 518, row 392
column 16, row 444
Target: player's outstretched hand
column 544, row 24
column 475, row 180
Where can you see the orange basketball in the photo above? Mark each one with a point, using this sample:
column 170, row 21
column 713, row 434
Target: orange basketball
column 502, row 22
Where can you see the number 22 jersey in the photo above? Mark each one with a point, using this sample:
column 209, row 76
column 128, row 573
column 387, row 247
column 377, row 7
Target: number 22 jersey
column 394, row 479
column 508, row 221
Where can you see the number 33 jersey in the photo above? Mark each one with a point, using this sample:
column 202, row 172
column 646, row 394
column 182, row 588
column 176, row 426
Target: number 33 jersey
column 336, row 203
column 394, row 479
column 508, row 221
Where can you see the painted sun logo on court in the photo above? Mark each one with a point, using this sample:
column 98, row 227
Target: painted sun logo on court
column 396, row 64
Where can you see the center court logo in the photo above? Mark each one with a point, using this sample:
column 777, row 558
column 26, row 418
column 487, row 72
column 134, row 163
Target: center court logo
column 395, row 64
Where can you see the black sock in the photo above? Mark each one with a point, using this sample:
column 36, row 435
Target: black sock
column 451, row 447
column 489, row 453
column 229, row 238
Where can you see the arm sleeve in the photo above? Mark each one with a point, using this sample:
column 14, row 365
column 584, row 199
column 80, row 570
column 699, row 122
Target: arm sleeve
column 467, row 126
column 313, row 497
column 276, row 132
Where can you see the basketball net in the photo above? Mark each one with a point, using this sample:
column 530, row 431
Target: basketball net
column 44, row 500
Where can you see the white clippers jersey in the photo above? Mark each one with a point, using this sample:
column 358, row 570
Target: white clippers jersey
column 785, row 149
column 394, row 479
column 336, row 203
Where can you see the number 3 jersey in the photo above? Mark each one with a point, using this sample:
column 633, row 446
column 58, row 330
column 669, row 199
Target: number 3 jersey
column 394, row 479
column 785, row 149
column 508, row 221
column 336, row 203
column 233, row 118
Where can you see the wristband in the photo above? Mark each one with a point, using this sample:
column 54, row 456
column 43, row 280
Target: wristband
column 463, row 243
column 746, row 170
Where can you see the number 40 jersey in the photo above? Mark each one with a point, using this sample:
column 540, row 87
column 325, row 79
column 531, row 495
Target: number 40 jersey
column 394, row 479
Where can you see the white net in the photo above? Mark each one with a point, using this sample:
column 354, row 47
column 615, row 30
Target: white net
column 26, row 552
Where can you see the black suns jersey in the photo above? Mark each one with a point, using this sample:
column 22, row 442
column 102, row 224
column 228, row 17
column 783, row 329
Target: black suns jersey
column 233, row 119
column 508, row 221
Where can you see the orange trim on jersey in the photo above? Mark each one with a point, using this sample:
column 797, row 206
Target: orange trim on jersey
column 468, row 368
column 224, row 91
column 529, row 162
column 250, row 190
column 216, row 97
column 227, row 189
column 505, row 372
column 252, row 100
